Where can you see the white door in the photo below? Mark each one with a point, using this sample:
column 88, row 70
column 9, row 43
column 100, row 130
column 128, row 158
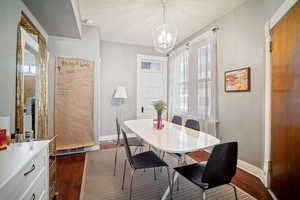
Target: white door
column 151, row 84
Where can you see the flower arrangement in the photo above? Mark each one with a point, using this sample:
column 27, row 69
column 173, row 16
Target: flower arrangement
column 160, row 106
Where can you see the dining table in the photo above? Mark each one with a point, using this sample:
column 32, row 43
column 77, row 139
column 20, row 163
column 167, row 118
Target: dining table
column 172, row 138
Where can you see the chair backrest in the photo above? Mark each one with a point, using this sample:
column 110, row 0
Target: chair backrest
column 177, row 120
column 118, row 130
column 127, row 148
column 221, row 165
column 193, row 124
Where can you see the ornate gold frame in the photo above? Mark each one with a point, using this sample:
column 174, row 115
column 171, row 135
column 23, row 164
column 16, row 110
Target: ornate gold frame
column 42, row 106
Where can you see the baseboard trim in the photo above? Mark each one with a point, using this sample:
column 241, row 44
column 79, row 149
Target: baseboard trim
column 113, row 137
column 251, row 169
column 272, row 194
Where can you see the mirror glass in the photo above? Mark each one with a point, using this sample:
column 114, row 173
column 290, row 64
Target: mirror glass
column 30, row 91
column 30, row 69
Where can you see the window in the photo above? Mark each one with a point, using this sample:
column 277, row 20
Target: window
column 192, row 82
column 183, row 82
column 204, row 80
column 29, row 69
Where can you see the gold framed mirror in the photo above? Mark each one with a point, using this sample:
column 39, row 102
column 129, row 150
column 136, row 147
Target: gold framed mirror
column 31, row 81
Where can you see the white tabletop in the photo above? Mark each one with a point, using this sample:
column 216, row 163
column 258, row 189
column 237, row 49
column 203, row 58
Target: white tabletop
column 172, row 138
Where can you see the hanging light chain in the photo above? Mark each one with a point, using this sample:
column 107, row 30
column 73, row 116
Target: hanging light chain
column 163, row 2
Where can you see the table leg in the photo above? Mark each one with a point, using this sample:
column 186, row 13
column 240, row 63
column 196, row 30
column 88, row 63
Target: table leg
column 167, row 192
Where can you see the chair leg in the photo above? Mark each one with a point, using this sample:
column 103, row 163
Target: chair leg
column 203, row 195
column 116, row 155
column 130, row 194
column 178, row 178
column 234, row 189
column 136, row 148
column 124, row 174
column 154, row 172
column 170, row 184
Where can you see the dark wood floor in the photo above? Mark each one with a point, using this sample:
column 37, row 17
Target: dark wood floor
column 69, row 176
column 70, row 171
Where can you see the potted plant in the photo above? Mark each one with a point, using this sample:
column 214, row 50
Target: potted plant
column 160, row 106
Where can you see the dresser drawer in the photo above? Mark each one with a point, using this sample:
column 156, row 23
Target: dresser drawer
column 37, row 189
column 16, row 187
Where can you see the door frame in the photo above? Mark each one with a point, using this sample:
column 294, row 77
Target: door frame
column 141, row 57
column 279, row 14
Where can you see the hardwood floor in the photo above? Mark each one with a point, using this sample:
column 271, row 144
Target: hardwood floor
column 69, row 176
column 70, row 171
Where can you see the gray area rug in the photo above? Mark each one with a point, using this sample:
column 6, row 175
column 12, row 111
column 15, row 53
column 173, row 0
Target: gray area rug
column 100, row 184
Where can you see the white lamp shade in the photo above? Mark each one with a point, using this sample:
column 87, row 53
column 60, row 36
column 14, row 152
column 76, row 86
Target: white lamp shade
column 120, row 93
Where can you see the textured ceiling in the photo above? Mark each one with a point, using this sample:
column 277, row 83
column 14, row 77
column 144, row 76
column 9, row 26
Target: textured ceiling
column 131, row 21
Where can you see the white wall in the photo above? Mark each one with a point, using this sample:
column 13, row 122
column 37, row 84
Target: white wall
column 10, row 14
column 119, row 69
column 241, row 43
column 88, row 47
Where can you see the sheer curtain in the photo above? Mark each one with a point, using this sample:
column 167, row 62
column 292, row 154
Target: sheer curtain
column 198, row 92
column 178, row 83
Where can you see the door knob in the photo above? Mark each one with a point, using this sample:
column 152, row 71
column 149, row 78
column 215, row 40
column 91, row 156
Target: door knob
column 142, row 109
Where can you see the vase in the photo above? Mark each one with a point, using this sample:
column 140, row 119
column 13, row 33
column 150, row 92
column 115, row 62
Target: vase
column 159, row 121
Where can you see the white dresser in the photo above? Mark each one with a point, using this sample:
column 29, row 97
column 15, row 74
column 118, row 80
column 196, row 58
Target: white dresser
column 24, row 171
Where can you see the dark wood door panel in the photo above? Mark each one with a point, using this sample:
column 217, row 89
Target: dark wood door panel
column 285, row 144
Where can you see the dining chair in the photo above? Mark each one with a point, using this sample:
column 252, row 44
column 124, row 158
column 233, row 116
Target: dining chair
column 133, row 142
column 142, row 160
column 193, row 124
column 218, row 170
column 177, row 120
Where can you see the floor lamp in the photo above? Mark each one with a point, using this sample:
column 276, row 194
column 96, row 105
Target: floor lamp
column 120, row 95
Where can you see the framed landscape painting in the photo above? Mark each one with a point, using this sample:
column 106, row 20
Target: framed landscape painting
column 237, row 80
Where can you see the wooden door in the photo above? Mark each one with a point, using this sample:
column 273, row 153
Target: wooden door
column 285, row 144
column 151, row 84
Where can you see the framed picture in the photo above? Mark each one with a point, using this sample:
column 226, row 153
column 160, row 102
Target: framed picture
column 238, row 80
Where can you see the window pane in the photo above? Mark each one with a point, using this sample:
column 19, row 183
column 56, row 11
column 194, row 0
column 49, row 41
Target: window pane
column 32, row 69
column 182, row 61
column 26, row 69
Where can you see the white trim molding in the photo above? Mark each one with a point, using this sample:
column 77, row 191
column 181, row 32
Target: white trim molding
column 279, row 14
column 251, row 169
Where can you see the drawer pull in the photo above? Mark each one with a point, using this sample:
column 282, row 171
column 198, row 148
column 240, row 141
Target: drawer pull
column 31, row 170
column 33, row 197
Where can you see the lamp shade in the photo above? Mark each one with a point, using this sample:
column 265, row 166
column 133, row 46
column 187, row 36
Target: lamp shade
column 120, row 93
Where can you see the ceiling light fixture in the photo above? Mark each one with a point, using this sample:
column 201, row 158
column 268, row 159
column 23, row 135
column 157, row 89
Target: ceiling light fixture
column 164, row 36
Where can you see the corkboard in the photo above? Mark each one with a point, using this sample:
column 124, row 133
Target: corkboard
column 74, row 103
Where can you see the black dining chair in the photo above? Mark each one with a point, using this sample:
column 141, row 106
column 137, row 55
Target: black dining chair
column 133, row 142
column 218, row 170
column 142, row 160
column 177, row 120
column 192, row 124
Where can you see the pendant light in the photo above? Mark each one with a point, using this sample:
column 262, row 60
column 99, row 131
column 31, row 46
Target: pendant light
column 164, row 36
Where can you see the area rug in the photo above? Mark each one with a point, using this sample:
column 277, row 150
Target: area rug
column 100, row 184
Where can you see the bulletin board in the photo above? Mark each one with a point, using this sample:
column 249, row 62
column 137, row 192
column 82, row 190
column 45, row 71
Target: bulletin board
column 74, row 97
